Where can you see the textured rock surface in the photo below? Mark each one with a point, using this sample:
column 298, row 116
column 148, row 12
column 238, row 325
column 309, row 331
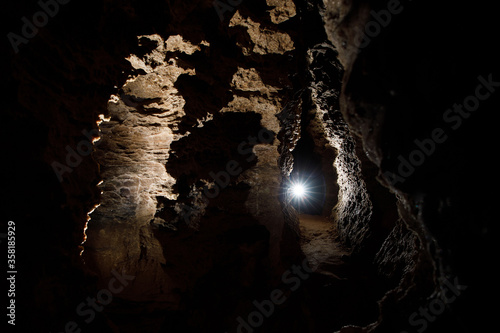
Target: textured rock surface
column 179, row 96
column 396, row 89
column 132, row 151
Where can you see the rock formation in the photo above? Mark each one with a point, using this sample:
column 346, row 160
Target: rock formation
column 153, row 144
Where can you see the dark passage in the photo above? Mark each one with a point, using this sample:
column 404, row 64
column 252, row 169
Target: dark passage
column 307, row 170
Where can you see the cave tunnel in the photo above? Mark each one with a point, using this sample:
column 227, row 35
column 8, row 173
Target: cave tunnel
column 307, row 172
column 151, row 152
column 314, row 172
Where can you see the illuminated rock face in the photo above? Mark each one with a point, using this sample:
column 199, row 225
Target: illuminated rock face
column 132, row 151
column 176, row 161
column 189, row 177
column 394, row 96
column 199, row 112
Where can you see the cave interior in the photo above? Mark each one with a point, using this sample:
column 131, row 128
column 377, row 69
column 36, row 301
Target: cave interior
column 152, row 148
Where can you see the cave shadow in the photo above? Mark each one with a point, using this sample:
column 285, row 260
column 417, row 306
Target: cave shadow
column 210, row 276
column 219, row 152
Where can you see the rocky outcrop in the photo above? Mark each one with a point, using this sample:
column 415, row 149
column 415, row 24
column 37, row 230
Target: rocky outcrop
column 397, row 88
column 158, row 139
column 190, row 181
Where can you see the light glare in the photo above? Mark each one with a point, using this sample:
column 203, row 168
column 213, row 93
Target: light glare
column 298, row 190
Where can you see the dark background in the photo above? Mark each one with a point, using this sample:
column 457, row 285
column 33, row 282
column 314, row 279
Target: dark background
column 430, row 55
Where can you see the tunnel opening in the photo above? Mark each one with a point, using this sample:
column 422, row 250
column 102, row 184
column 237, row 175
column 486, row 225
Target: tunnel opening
column 337, row 279
column 307, row 179
column 313, row 171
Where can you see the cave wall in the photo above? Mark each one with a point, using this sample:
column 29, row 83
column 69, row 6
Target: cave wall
column 91, row 80
column 136, row 203
column 58, row 83
column 400, row 82
column 189, row 149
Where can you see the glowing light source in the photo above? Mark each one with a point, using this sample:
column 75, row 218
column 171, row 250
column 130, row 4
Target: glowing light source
column 299, row 190
column 306, row 192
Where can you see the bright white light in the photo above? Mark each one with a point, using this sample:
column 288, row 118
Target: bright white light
column 298, row 190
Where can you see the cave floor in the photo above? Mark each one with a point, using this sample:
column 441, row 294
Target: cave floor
column 318, row 242
column 339, row 291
